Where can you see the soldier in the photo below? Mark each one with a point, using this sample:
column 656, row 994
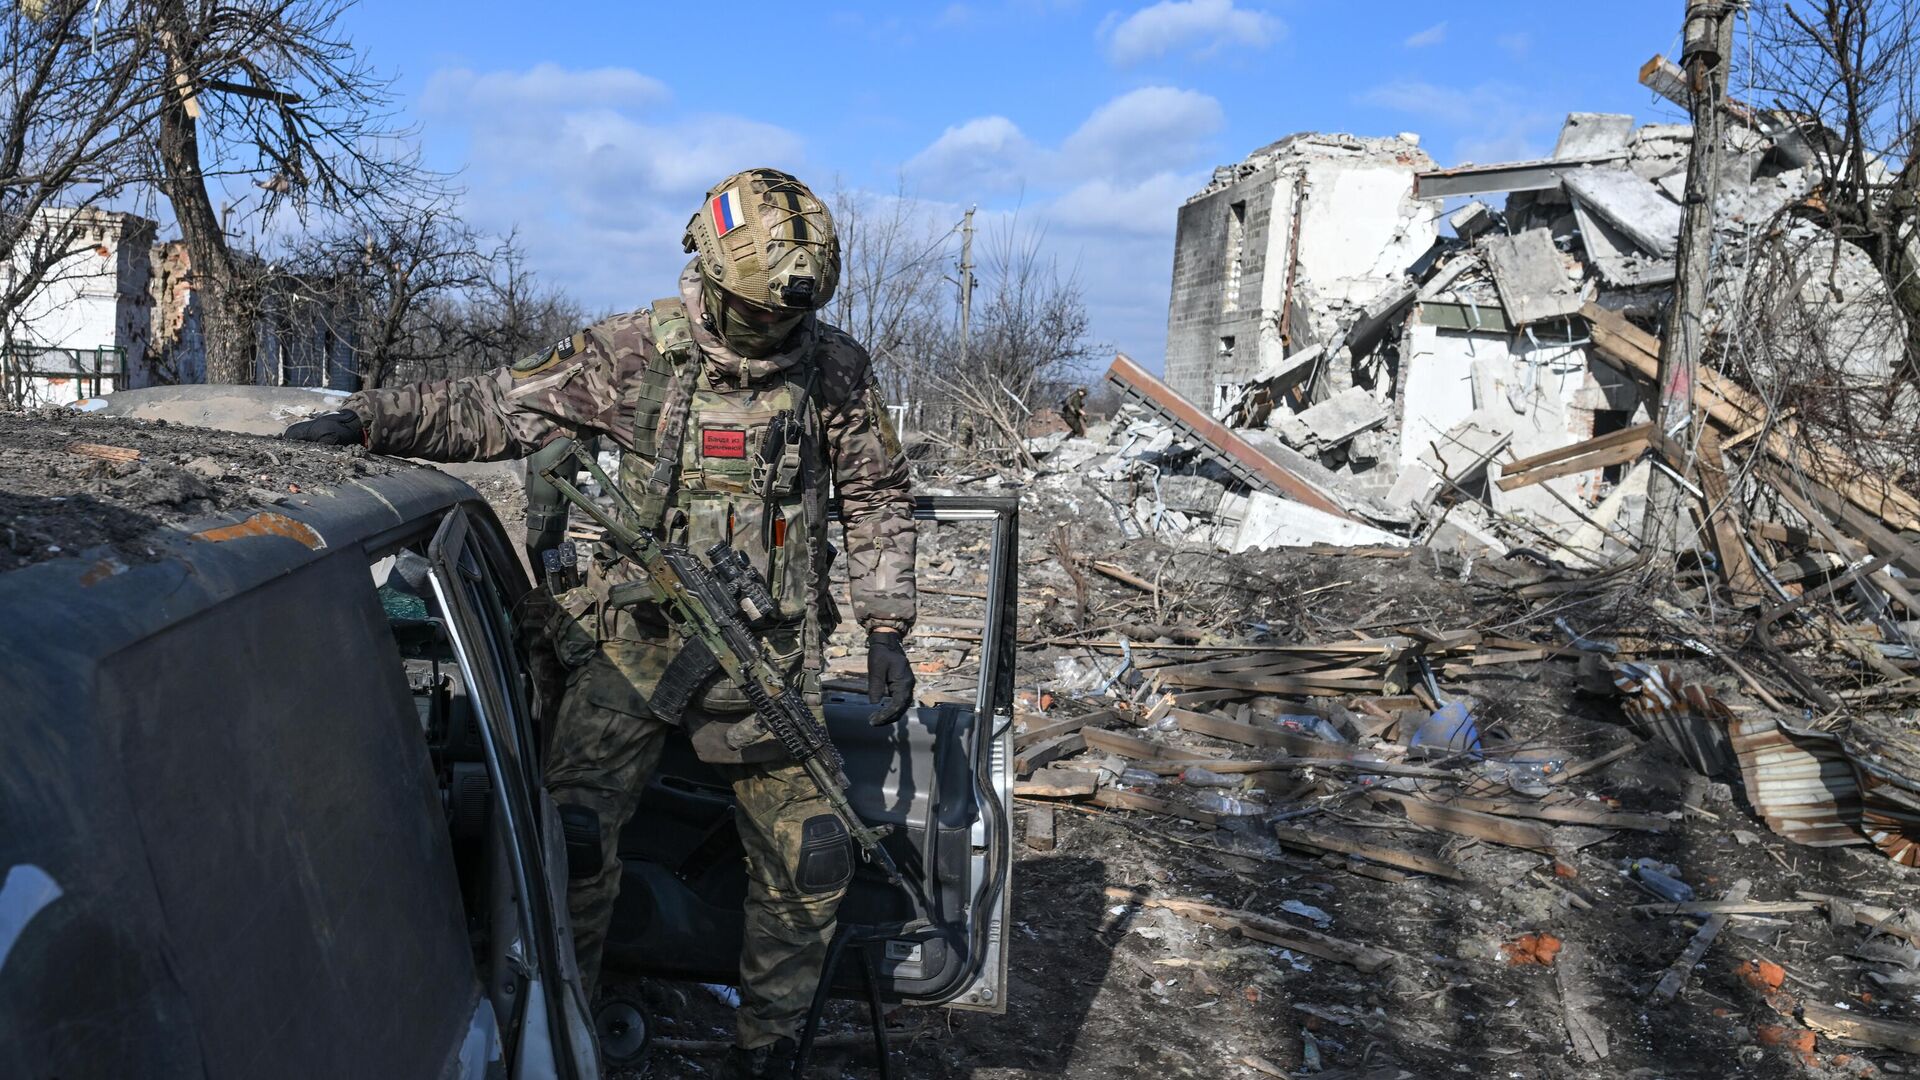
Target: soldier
column 735, row 405
column 1074, row 411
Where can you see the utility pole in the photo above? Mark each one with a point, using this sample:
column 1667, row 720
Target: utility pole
column 966, row 283
column 1707, row 49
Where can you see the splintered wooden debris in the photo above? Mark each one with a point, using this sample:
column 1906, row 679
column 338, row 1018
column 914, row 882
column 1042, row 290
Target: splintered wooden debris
column 1677, row 975
column 1261, row 928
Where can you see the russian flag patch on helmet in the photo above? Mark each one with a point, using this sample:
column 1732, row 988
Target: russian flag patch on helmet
column 726, row 212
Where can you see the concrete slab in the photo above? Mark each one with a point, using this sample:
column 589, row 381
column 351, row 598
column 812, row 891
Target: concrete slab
column 1634, row 206
column 1415, row 488
column 1344, row 415
column 1593, row 135
column 1471, row 220
column 1618, row 260
column 1270, row 521
column 1532, row 277
column 1462, row 453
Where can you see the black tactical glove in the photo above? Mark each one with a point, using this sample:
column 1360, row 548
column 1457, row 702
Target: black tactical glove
column 341, row 427
column 889, row 678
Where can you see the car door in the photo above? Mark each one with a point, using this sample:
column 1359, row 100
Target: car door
column 536, row 989
column 940, row 780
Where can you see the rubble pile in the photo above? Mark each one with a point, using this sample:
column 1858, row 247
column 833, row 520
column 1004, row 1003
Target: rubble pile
column 1363, row 734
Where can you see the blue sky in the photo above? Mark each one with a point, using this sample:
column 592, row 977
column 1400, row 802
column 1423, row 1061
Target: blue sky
column 594, row 126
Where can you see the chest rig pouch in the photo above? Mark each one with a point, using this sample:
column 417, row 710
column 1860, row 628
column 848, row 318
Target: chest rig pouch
column 717, row 463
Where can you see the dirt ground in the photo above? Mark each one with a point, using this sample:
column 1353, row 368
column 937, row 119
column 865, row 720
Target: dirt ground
column 71, row 482
column 1103, row 987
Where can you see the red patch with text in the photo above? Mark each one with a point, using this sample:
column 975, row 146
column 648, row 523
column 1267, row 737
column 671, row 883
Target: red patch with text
column 731, row 444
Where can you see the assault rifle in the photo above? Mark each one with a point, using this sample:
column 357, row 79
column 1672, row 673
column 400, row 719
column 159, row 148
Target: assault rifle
column 714, row 607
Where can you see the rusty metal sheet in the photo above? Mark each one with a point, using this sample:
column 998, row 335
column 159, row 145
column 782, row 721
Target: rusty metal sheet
column 1685, row 716
column 1216, row 440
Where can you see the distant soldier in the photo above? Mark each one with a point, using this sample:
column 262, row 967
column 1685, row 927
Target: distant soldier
column 735, row 407
column 1074, row 411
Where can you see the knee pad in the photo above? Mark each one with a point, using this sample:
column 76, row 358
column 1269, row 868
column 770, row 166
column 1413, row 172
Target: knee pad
column 580, row 825
column 826, row 859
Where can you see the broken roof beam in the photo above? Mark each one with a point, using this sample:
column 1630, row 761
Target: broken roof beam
column 1494, row 179
column 1634, row 206
column 1216, row 441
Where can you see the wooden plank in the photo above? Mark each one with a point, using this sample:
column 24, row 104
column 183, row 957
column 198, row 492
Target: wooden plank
column 1566, row 813
column 1733, row 407
column 1172, row 766
column 1579, row 1004
column 1681, row 970
column 1057, row 784
column 1034, row 736
column 1295, row 837
column 1261, row 928
column 1135, row 748
column 1115, row 799
column 1723, row 517
column 119, row 454
column 1040, row 828
column 1489, row 827
column 1856, row 1030
column 1731, row 907
column 1597, row 459
column 1220, row 727
column 1052, row 750
column 1122, row 575
column 1636, row 433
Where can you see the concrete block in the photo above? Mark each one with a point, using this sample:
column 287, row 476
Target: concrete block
column 1634, row 206
column 1532, row 277
column 1615, row 256
column 1415, row 488
column 1471, row 220
column 1463, row 452
column 1191, row 495
column 1593, row 135
column 1343, row 416
column 1270, row 521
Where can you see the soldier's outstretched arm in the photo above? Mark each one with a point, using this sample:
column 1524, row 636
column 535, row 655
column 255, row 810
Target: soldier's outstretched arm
column 871, row 475
column 571, row 386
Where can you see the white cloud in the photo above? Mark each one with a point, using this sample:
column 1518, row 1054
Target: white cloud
column 1200, row 28
column 1150, row 128
column 1432, row 35
column 543, row 86
column 1517, row 45
column 1488, row 123
column 596, row 169
column 988, row 153
column 1140, row 133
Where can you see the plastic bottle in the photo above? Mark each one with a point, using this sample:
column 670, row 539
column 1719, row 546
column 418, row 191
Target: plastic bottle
column 1309, row 725
column 1141, row 778
column 1199, row 777
column 1663, row 879
column 1228, row 805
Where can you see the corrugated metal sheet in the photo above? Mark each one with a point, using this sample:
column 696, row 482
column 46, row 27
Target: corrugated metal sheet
column 1802, row 783
column 1685, row 716
column 1807, row 785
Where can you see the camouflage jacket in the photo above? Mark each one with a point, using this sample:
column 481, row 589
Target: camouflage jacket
column 591, row 383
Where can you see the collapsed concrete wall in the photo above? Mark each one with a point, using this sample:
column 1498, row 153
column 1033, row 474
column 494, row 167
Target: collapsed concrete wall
column 1278, row 251
column 1319, row 308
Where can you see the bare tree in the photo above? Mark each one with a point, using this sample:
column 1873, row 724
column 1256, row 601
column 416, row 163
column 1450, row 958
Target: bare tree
column 72, row 109
column 1847, row 74
column 270, row 92
column 890, row 288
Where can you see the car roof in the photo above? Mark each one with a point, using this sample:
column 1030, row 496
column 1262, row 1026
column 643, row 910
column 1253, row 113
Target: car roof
column 113, row 529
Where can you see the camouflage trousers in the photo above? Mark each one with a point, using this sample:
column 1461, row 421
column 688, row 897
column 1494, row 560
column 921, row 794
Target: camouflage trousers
column 605, row 746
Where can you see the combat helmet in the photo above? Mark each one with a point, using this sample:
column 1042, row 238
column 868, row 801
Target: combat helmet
column 764, row 238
